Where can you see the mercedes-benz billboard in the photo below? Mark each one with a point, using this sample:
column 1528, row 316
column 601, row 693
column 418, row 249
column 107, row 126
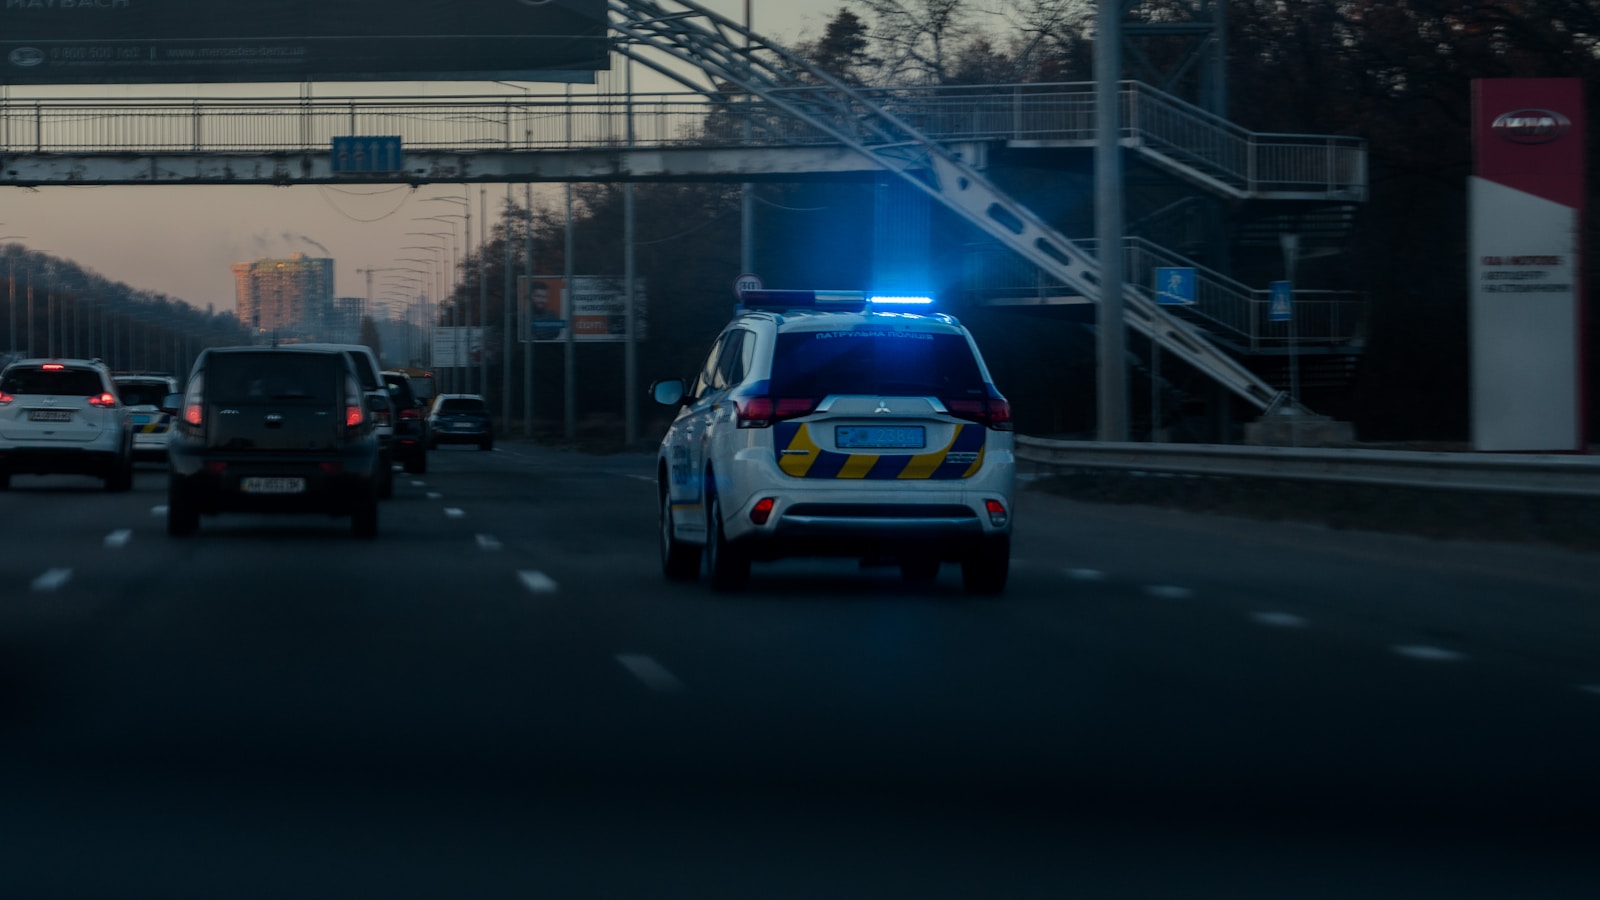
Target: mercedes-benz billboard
column 220, row 41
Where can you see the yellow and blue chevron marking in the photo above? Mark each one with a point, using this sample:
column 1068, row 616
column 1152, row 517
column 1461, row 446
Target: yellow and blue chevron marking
column 157, row 425
column 800, row 456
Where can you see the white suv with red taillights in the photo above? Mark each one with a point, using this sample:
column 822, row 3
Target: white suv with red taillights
column 63, row 416
column 836, row 424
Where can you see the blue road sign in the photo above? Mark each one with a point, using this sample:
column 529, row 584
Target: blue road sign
column 1281, row 309
column 367, row 154
column 1175, row 286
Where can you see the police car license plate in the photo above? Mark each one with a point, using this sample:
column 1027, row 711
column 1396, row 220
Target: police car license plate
column 879, row 437
column 50, row 415
column 273, row 485
column 140, row 419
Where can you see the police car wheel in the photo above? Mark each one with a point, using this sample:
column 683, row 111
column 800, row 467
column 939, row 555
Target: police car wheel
column 985, row 566
column 727, row 565
column 679, row 561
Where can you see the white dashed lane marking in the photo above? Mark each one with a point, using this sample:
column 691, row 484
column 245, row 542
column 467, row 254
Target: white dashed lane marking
column 1279, row 619
column 1086, row 574
column 119, row 538
column 434, row 495
column 453, row 512
column 488, row 542
column 1428, row 654
column 1168, row 591
column 419, row 484
column 537, row 582
column 651, row 673
column 158, row 510
column 1591, row 688
column 52, row 579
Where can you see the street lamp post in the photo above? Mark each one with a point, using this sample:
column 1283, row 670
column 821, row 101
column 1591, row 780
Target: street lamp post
column 457, row 315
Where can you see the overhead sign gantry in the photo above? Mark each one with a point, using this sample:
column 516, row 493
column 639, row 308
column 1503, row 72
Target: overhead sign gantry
column 197, row 41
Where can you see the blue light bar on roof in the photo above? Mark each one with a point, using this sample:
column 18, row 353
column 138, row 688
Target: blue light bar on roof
column 846, row 301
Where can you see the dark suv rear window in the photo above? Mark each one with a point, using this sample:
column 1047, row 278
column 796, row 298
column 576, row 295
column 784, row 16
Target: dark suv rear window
column 274, row 377
column 874, row 361
column 67, row 382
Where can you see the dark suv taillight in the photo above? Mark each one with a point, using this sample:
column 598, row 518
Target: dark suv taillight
column 991, row 413
column 761, row 412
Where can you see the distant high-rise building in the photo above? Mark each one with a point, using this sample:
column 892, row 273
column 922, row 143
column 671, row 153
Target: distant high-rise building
column 292, row 296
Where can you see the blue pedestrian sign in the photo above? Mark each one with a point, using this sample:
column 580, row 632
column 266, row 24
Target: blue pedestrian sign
column 367, row 154
column 1175, row 286
column 1281, row 308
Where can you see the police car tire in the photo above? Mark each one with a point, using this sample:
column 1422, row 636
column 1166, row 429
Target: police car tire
column 679, row 561
column 727, row 565
column 986, row 565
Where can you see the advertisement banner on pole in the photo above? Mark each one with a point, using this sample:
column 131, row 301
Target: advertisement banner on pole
column 594, row 307
column 456, row 346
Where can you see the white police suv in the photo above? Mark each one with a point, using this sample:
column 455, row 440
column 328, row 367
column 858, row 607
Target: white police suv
column 831, row 423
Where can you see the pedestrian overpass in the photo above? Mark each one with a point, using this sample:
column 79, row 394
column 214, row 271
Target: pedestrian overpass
column 751, row 112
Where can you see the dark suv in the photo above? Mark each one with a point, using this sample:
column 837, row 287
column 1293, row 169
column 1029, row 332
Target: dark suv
column 410, row 423
column 273, row 429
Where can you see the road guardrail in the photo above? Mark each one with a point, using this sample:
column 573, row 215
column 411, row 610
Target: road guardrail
column 1573, row 475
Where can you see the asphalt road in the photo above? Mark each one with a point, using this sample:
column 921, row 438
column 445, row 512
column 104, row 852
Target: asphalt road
column 500, row 696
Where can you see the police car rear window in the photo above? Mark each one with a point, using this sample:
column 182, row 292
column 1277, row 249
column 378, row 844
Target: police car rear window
column 142, row 394
column 874, row 361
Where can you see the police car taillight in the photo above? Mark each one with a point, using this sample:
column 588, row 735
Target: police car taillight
column 762, row 511
column 990, row 413
column 761, row 412
column 997, row 513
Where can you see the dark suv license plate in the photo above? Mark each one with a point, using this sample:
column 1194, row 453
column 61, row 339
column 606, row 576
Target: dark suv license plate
column 879, row 437
column 258, row 485
column 50, row 415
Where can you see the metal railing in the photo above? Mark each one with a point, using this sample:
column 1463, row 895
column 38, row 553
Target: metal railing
column 1230, row 310
column 1167, row 130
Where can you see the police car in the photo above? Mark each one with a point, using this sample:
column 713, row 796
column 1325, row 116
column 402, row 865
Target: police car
column 152, row 428
column 832, row 423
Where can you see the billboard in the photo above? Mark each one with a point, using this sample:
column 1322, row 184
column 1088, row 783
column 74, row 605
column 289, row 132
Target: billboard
column 456, row 346
column 1526, row 198
column 594, row 307
column 184, row 41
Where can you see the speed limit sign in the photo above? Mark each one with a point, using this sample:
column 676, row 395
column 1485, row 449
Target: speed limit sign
column 746, row 282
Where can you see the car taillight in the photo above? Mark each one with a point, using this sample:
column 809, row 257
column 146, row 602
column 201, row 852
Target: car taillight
column 380, row 418
column 991, row 413
column 194, row 402
column 409, row 414
column 762, row 510
column 352, row 415
column 5, row 398
column 997, row 513
column 354, row 410
column 103, row 400
column 761, row 412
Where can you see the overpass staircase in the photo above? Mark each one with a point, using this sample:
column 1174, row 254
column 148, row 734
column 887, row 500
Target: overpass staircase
column 737, row 67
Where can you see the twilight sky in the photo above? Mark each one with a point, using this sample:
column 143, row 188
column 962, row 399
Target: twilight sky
column 180, row 241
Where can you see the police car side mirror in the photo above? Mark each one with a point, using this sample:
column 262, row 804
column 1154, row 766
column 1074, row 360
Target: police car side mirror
column 668, row 391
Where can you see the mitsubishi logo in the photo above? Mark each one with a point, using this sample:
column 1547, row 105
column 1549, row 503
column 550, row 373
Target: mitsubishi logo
column 882, row 408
